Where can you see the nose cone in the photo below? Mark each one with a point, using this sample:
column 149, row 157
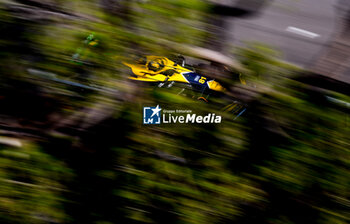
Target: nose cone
column 214, row 85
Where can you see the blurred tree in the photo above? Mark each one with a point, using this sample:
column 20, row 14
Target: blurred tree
column 32, row 185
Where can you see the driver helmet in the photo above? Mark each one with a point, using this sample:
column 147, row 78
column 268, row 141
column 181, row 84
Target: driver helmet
column 154, row 66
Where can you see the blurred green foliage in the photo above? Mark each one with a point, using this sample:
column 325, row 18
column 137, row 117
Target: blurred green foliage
column 92, row 161
column 31, row 186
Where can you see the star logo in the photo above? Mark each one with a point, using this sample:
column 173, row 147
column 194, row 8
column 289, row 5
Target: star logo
column 151, row 115
column 156, row 111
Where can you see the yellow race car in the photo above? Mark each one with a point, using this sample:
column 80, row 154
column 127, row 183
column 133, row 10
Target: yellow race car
column 164, row 71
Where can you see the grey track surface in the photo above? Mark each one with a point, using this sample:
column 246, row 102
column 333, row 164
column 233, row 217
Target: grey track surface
column 269, row 27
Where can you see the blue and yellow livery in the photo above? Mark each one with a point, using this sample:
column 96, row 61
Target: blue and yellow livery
column 164, row 71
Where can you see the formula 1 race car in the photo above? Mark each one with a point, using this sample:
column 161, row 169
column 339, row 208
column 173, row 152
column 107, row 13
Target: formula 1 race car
column 166, row 73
